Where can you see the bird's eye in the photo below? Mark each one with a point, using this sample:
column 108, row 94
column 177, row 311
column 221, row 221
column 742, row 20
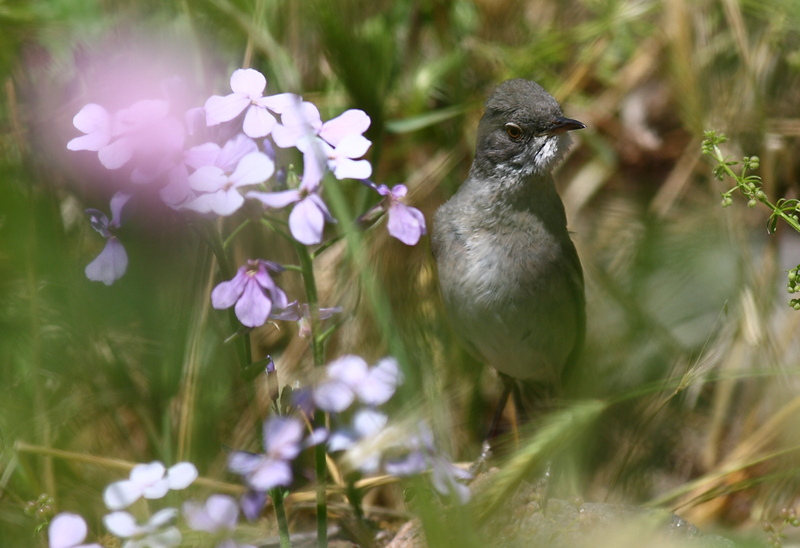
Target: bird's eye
column 514, row 131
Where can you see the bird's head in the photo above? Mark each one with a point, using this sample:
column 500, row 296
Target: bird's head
column 523, row 131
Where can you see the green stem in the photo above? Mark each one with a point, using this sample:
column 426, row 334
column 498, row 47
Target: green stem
column 740, row 183
column 280, row 515
column 233, row 235
column 322, row 500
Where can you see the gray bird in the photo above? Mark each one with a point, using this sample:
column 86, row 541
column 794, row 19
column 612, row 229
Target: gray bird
column 510, row 277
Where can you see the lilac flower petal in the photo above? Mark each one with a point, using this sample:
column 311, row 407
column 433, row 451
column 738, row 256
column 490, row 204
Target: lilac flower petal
column 282, row 437
column 223, row 109
column 202, row 155
column 167, row 538
column 306, row 222
column 368, row 422
column 345, row 168
column 181, row 475
column 116, row 154
column 195, row 118
column 248, row 81
column 234, row 150
column 325, row 313
column 110, row 265
column 258, row 122
column 413, row 463
column 407, row 224
column 139, row 115
column 208, row 179
column 315, row 156
column 95, row 122
column 290, row 313
column 297, row 121
column 253, row 307
column 398, row 191
column 227, row 293
column 350, row 369
column 161, row 518
column 144, row 474
column 383, row 190
column 121, row 494
column 271, row 473
column 341, row 440
column 254, row 168
column 444, row 479
column 350, row 122
column 353, row 146
column 319, row 435
column 223, row 510
column 121, row 524
column 280, row 102
column 253, row 503
column 177, row 189
column 118, row 201
column 279, row 298
column 275, row 200
column 197, row 517
column 66, row 530
column 225, row 202
column 322, row 207
column 244, row 462
column 333, row 396
column 157, row 490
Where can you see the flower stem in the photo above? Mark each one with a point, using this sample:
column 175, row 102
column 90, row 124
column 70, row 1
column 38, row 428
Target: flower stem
column 280, row 514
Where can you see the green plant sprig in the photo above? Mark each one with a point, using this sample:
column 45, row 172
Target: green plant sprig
column 750, row 186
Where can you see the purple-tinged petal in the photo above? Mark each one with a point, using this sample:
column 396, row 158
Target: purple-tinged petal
column 368, row 422
column 258, row 122
column 181, row 475
column 341, row 441
column 306, row 222
column 279, row 298
column 223, row 109
column 225, row 202
column 233, row 152
column 325, row 313
column 271, row 473
column 197, row 517
column 200, row 204
column 95, row 121
column 383, row 190
column 319, row 435
column 322, row 207
column 118, row 201
column 282, row 437
column 350, row 369
column 315, row 156
column 161, row 518
column 353, row 146
column 253, row 307
column 157, row 490
column 167, row 538
column 280, row 102
column 345, row 168
column 195, row 119
column 121, row 524
column 110, row 265
column 350, row 122
column 407, row 224
column 227, row 293
column 253, row 503
column 399, row 191
column 300, row 120
column 223, row 510
column 208, row 179
column 139, row 115
column 275, row 200
column 121, row 494
column 177, row 189
column 202, row 155
column 249, row 82
column 290, row 313
column 66, row 530
column 413, row 463
column 116, row 154
column 333, row 396
column 145, row 474
column 254, row 168
column 244, row 462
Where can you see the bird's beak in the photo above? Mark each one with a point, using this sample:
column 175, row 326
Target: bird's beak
column 562, row 125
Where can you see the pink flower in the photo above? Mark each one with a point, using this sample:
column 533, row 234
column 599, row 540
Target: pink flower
column 406, row 223
column 252, row 291
column 112, row 262
column 265, row 471
column 248, row 89
column 68, row 531
column 350, row 377
column 151, row 481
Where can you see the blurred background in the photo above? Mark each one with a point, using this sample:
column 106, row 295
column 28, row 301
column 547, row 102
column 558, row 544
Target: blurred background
column 690, row 342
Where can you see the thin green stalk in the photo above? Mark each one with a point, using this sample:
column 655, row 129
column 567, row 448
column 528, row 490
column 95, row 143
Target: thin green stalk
column 320, row 471
column 235, row 233
column 280, row 515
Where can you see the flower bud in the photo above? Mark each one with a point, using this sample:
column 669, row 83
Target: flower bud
column 752, row 203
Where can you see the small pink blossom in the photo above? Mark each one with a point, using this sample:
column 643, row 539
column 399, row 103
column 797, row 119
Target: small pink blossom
column 252, row 291
column 406, row 223
column 68, row 531
column 151, row 481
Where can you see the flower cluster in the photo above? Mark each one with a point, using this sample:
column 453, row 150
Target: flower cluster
column 211, row 177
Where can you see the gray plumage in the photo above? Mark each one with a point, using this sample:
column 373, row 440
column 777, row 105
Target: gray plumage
column 511, row 280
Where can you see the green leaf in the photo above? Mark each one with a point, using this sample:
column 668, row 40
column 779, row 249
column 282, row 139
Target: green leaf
column 415, row 123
